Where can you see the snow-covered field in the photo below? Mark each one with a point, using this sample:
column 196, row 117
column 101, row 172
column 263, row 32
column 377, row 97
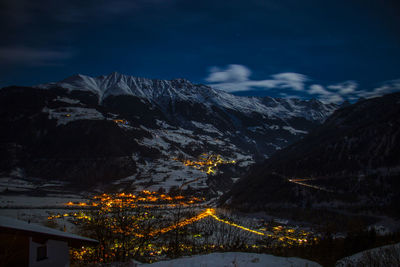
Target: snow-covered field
column 239, row 259
column 20, row 193
column 165, row 173
column 21, row 199
column 69, row 114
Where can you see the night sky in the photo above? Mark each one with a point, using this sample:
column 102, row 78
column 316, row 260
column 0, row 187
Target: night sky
column 331, row 50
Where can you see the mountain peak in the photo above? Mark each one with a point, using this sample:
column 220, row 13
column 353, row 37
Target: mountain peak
column 162, row 92
column 116, row 75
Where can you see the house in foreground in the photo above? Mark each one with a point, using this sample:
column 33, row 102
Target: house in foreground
column 29, row 244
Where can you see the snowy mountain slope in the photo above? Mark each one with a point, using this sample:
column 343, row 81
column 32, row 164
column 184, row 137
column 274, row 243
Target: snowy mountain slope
column 180, row 103
column 160, row 92
column 128, row 131
column 351, row 160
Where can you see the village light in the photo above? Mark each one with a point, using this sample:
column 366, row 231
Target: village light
column 149, row 200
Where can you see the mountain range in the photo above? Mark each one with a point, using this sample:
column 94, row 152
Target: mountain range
column 128, row 132
column 351, row 163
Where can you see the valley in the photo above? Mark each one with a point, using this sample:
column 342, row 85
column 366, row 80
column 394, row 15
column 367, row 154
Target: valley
column 198, row 224
column 170, row 168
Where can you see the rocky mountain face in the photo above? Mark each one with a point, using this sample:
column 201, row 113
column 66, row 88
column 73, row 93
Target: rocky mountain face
column 134, row 132
column 351, row 160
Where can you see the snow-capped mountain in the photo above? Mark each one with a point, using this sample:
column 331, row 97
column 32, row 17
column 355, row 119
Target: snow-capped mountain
column 129, row 131
column 161, row 92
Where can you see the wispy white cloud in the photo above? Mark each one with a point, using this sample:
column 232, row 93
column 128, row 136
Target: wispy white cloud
column 317, row 89
column 22, row 55
column 325, row 95
column 348, row 90
column 344, row 88
column 232, row 73
column 386, row 87
column 236, row 77
column 291, row 80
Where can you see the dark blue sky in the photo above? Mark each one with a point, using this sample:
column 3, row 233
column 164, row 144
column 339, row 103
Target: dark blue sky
column 327, row 44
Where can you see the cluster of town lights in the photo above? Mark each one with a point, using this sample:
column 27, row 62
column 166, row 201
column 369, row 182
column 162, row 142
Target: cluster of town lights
column 143, row 198
column 143, row 223
column 119, row 121
column 206, row 163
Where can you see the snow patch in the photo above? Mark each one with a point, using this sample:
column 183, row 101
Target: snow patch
column 70, row 114
column 206, row 127
column 293, row 130
column 67, row 100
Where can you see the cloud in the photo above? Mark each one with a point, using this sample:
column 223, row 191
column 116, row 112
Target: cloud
column 22, row 55
column 335, row 93
column 325, row 95
column 236, row 77
column 345, row 88
column 385, row 88
column 318, row 89
column 291, row 80
column 332, row 98
column 232, row 73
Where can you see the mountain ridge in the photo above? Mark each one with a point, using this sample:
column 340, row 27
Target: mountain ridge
column 350, row 161
column 179, row 89
column 56, row 130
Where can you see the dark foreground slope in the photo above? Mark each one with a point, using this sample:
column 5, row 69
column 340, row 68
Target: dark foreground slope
column 351, row 162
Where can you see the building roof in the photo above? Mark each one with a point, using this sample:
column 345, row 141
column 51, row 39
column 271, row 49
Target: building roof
column 12, row 225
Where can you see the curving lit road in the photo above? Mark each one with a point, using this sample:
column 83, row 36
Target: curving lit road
column 302, row 183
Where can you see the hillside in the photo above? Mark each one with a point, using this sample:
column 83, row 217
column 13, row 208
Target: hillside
column 129, row 132
column 351, row 162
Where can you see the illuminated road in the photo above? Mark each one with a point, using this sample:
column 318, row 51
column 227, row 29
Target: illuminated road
column 301, row 182
column 211, row 212
column 183, row 223
column 208, row 212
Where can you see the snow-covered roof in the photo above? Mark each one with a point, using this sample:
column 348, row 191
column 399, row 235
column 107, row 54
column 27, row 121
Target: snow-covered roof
column 35, row 229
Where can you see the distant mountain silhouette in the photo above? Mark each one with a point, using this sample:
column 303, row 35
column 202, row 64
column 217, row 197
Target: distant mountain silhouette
column 353, row 158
